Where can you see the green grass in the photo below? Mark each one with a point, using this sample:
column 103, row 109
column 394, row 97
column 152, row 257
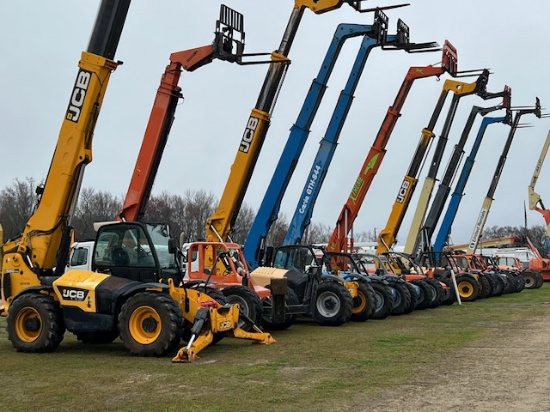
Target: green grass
column 309, row 365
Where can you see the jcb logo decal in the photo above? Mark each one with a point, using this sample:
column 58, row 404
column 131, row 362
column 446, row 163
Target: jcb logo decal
column 248, row 134
column 78, row 95
column 403, row 191
column 225, row 325
column 74, row 294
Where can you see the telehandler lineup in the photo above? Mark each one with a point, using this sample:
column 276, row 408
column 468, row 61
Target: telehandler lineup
column 134, row 289
column 140, row 286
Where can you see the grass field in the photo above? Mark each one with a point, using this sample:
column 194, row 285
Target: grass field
column 308, row 369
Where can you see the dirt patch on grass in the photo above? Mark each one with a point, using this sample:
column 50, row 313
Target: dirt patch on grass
column 507, row 370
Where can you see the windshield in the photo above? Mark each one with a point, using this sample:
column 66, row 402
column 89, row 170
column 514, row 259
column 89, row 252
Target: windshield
column 160, row 235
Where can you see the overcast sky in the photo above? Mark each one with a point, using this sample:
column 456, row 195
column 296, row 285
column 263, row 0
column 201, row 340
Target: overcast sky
column 42, row 41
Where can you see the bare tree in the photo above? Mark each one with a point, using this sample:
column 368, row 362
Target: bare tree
column 535, row 234
column 317, row 233
column 93, row 207
column 242, row 224
column 199, row 205
column 277, row 232
column 17, row 204
column 169, row 209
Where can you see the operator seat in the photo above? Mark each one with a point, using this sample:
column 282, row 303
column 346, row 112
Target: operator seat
column 119, row 257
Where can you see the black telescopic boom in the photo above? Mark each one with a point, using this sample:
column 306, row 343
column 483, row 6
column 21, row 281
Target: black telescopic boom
column 108, row 27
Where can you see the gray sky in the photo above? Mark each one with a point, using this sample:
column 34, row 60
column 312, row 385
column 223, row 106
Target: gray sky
column 42, row 41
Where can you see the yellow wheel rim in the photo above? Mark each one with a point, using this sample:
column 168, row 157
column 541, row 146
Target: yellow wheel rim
column 359, row 303
column 145, row 325
column 28, row 324
column 466, row 290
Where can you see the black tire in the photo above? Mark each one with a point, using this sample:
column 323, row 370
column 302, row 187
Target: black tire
column 510, row 284
column 97, row 338
column 150, row 324
column 468, row 288
column 520, row 283
column 540, row 280
column 249, row 303
column 449, row 294
column 333, row 304
column 530, row 279
column 438, row 289
column 382, row 301
column 427, row 294
column 403, row 298
column 486, row 289
column 35, row 323
column 215, row 294
column 267, row 321
column 415, row 298
column 498, row 285
column 363, row 303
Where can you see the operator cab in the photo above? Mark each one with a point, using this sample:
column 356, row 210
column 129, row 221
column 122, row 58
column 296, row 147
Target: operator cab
column 136, row 251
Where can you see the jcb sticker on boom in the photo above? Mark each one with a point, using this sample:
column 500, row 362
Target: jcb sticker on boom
column 403, row 191
column 78, row 95
column 73, row 294
column 248, row 134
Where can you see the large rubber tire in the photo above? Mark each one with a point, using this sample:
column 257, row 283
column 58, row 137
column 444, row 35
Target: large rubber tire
column 363, row 303
column 530, row 279
column 498, row 285
column 520, row 283
column 540, row 280
column 333, row 304
column 438, row 289
column 382, row 301
column 249, row 303
column 486, row 289
column 267, row 321
column 449, row 294
column 150, row 324
column 468, row 288
column 414, row 297
column 427, row 294
column 510, row 284
column 98, row 338
column 403, row 298
column 35, row 323
column 215, row 294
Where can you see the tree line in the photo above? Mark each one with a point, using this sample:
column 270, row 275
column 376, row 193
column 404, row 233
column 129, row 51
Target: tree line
column 186, row 215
